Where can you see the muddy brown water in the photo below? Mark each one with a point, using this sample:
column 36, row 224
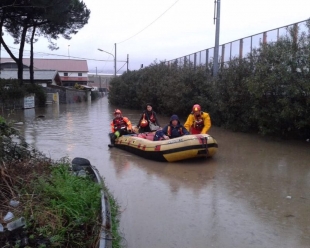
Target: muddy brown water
column 255, row 192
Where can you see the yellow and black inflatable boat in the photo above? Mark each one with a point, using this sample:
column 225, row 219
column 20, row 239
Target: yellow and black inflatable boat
column 182, row 148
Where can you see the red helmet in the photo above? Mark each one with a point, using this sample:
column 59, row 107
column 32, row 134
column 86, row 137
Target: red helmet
column 144, row 123
column 117, row 111
column 196, row 108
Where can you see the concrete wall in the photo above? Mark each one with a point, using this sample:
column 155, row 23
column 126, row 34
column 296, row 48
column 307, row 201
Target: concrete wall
column 67, row 95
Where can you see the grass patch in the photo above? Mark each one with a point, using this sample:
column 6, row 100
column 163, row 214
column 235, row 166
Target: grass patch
column 68, row 213
column 60, row 208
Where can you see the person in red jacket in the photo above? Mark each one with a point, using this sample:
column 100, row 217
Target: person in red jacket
column 198, row 122
column 119, row 126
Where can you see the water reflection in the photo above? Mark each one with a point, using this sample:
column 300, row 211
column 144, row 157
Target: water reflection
column 177, row 175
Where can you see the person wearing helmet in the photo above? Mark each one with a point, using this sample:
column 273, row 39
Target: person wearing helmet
column 119, row 126
column 148, row 120
column 173, row 130
column 198, row 122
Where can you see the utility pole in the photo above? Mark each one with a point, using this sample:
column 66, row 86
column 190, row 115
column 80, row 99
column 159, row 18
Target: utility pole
column 217, row 8
column 127, row 61
column 68, row 51
column 115, row 60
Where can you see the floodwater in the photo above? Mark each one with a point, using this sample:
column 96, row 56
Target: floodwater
column 255, row 192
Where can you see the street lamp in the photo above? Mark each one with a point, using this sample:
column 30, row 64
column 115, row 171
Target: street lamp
column 113, row 57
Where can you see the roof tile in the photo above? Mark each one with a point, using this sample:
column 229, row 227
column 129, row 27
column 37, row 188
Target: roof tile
column 54, row 64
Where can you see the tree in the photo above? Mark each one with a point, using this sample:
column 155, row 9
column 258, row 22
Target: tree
column 25, row 19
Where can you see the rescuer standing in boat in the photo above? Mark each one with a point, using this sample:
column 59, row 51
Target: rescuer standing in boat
column 119, row 126
column 198, row 122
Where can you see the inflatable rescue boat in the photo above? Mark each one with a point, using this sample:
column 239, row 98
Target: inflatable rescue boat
column 176, row 149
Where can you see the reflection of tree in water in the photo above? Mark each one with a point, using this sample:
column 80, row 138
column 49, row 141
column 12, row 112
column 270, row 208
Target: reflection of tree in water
column 121, row 162
column 174, row 186
column 194, row 174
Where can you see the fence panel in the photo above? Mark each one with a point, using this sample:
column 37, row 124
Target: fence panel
column 235, row 46
column 282, row 31
column 211, row 55
column 238, row 48
column 191, row 59
column 302, row 27
column 181, row 62
column 272, row 36
column 227, row 52
column 220, row 54
column 247, row 46
column 203, row 57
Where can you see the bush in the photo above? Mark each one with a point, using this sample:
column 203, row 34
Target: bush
column 266, row 92
column 40, row 95
column 11, row 91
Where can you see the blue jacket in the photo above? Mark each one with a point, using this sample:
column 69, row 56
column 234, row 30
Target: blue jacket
column 171, row 131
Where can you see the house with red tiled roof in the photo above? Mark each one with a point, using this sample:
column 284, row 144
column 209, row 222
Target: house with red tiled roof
column 70, row 71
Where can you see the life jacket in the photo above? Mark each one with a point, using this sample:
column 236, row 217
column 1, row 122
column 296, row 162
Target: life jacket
column 198, row 122
column 152, row 117
column 144, row 122
column 169, row 131
column 119, row 123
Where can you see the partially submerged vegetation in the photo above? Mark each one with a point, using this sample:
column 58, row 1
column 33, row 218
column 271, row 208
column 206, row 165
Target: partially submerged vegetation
column 58, row 208
column 12, row 93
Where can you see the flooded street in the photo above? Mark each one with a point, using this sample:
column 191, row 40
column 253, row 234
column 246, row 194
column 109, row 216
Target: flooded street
column 253, row 193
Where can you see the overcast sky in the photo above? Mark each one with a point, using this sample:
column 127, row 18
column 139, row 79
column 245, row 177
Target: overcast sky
column 149, row 30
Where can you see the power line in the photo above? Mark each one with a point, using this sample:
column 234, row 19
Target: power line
column 58, row 55
column 149, row 24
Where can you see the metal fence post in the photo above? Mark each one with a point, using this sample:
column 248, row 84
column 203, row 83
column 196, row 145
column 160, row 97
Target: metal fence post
column 241, row 49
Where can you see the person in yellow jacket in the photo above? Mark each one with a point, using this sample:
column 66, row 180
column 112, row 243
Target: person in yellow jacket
column 198, row 122
column 119, row 126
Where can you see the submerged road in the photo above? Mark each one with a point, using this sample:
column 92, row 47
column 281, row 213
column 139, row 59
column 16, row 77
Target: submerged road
column 253, row 193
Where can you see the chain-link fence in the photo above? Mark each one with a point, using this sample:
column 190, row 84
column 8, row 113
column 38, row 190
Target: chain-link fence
column 238, row 48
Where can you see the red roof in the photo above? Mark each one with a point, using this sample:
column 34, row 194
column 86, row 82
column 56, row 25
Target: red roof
column 66, row 65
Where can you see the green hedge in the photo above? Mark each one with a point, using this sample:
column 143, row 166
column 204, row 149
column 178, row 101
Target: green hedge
column 12, row 92
column 267, row 92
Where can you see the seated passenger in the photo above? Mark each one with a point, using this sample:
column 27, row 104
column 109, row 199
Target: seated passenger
column 147, row 119
column 173, row 130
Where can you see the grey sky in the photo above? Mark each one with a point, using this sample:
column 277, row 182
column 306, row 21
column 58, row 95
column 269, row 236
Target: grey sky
column 161, row 32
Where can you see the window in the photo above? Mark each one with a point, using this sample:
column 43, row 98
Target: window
column 66, row 74
column 80, row 74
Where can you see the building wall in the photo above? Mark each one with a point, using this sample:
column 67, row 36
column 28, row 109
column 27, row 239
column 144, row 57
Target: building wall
column 73, row 78
column 68, row 95
column 102, row 82
column 72, row 73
